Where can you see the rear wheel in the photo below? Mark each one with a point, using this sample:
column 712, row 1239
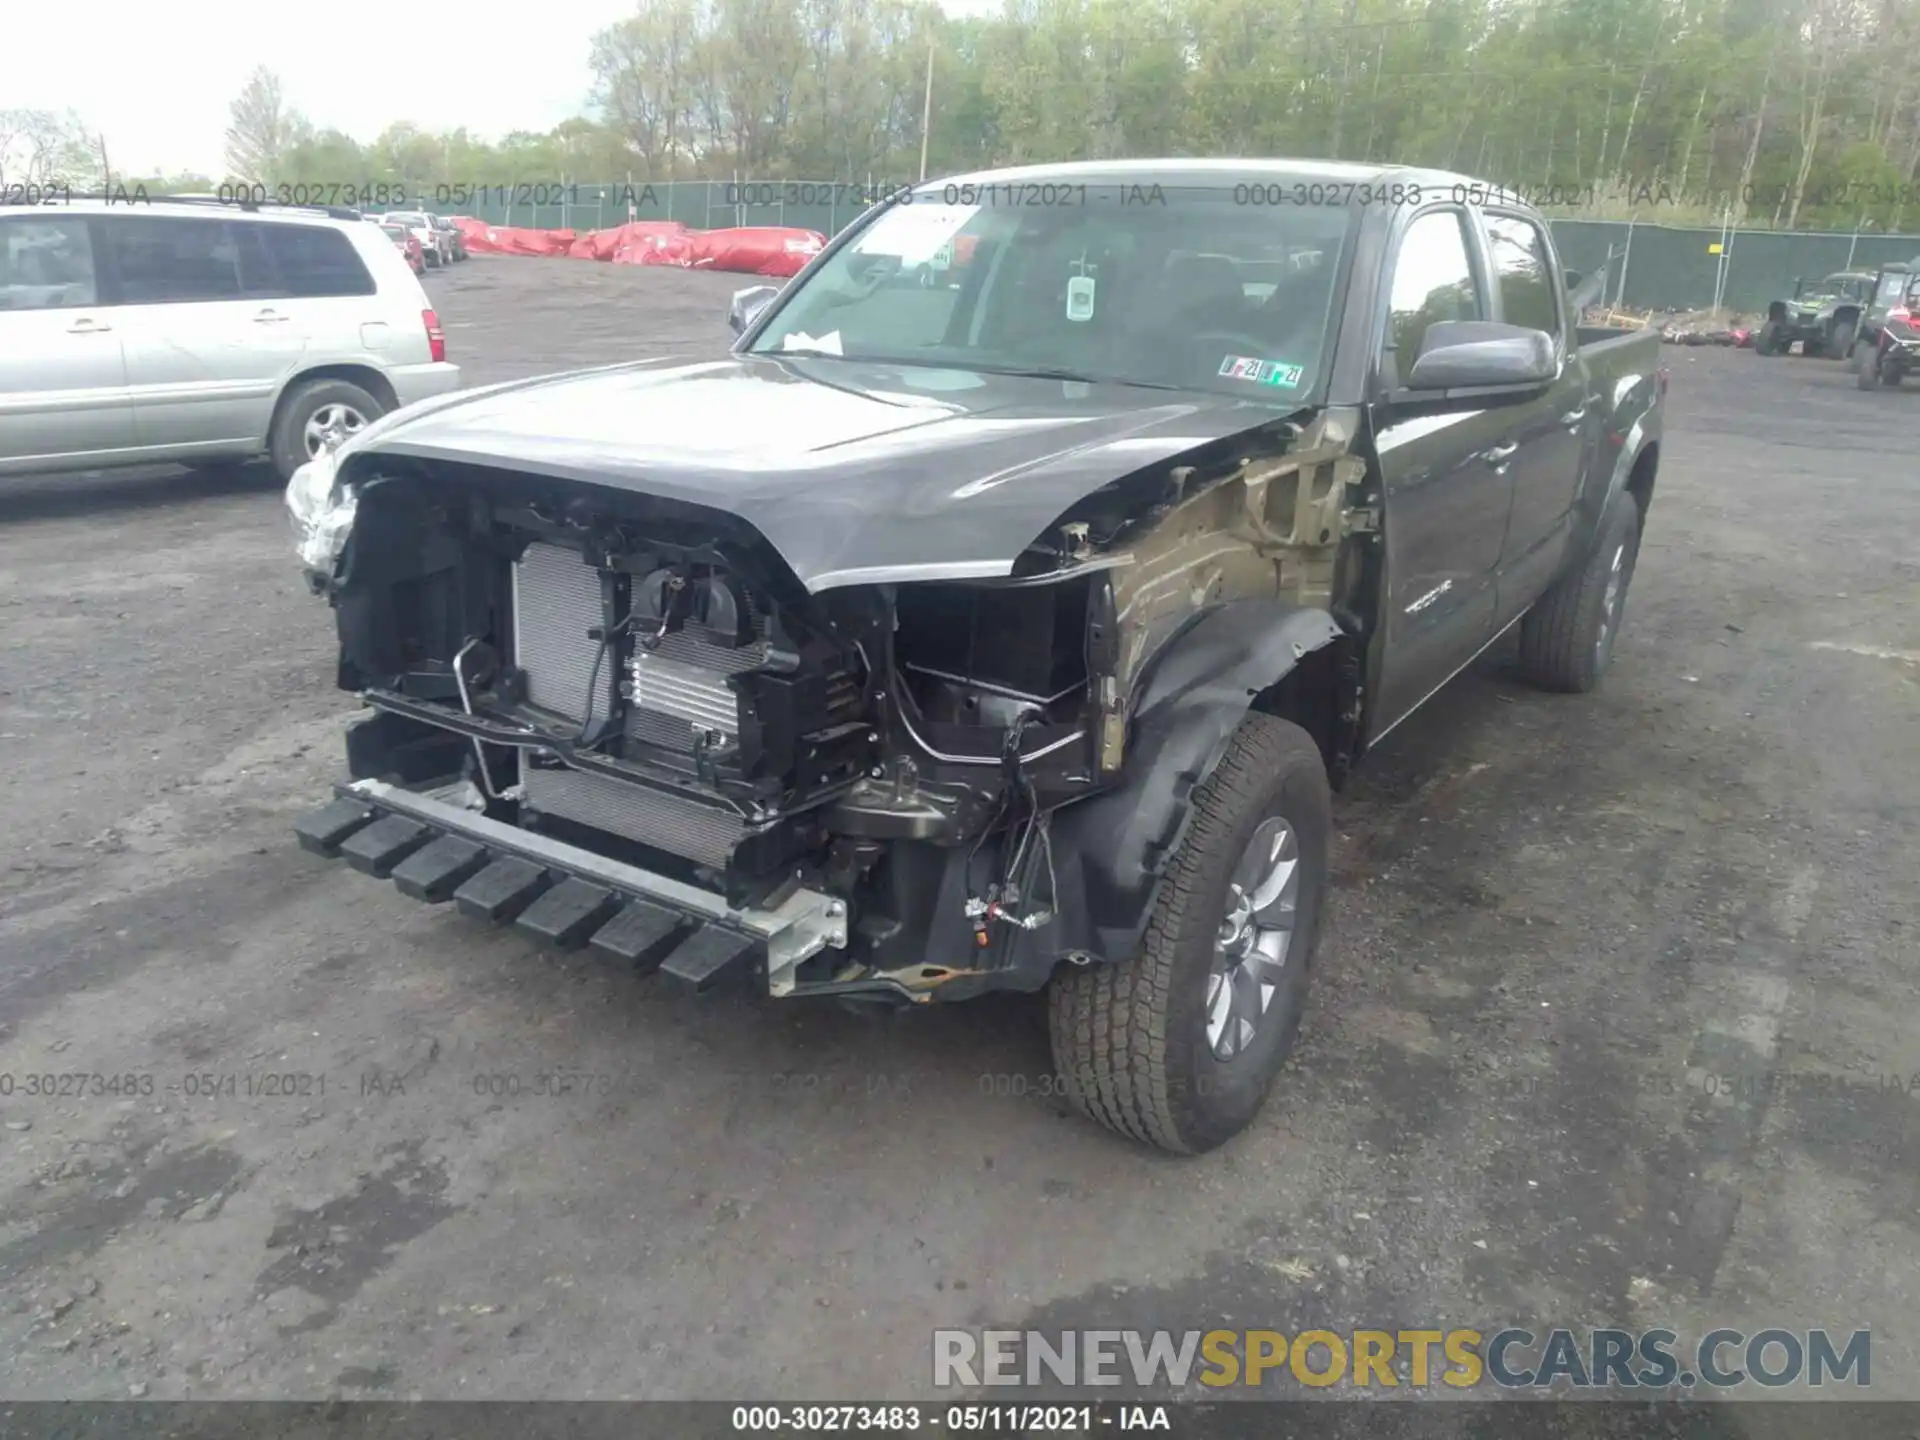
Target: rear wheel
column 1840, row 342
column 1868, row 376
column 316, row 416
column 1567, row 638
column 1767, row 341
column 1858, row 355
column 1179, row 1045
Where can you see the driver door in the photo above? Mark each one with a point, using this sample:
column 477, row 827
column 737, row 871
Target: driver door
column 1447, row 473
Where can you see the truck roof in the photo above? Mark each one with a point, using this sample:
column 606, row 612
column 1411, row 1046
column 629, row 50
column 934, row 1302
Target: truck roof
column 1227, row 171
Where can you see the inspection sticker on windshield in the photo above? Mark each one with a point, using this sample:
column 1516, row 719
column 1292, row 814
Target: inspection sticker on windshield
column 828, row 344
column 1261, row 372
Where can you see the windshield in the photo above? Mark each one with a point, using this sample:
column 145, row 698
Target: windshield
column 1893, row 285
column 1134, row 284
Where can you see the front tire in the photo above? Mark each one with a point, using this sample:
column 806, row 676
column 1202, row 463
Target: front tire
column 1767, row 342
column 1840, row 343
column 1567, row 638
column 1179, row 1045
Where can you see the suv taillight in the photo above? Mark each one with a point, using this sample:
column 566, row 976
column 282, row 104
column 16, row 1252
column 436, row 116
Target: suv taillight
column 436, row 338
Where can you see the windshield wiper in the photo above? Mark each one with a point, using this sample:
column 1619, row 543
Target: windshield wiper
column 1057, row 372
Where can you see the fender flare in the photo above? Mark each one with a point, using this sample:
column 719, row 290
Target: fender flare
column 1594, row 514
column 1112, row 848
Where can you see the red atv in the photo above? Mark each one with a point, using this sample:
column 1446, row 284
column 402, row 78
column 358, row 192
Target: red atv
column 1889, row 345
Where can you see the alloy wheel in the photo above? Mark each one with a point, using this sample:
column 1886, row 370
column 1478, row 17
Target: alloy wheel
column 331, row 424
column 1256, row 935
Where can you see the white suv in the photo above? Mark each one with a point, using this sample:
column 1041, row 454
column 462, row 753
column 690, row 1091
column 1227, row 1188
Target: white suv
column 202, row 332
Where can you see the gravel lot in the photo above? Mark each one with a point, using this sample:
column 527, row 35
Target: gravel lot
column 1564, row 930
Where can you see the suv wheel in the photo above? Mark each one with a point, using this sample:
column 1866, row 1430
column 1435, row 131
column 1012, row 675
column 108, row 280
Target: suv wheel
column 1767, row 342
column 1179, row 1045
column 1840, row 342
column 318, row 415
column 1568, row 637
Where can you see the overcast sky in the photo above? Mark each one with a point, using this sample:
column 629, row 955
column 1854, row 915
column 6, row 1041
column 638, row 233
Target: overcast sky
column 158, row 78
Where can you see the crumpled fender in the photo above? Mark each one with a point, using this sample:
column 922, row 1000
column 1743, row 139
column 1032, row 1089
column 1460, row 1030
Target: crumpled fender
column 1113, row 847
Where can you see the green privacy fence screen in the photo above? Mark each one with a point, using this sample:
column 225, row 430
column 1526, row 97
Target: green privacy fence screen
column 1655, row 267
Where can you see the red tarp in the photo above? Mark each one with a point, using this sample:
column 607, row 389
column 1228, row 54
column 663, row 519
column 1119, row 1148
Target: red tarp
column 753, row 250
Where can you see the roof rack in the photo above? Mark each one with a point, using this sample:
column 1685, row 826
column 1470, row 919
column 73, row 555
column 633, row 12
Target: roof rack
column 336, row 212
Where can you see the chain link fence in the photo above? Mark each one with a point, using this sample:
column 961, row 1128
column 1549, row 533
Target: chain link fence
column 823, row 205
column 1655, row 267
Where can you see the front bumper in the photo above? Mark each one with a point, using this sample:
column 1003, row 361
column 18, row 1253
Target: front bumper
column 435, row 851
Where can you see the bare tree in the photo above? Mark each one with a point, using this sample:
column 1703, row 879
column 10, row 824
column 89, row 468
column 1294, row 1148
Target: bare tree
column 262, row 128
column 41, row 147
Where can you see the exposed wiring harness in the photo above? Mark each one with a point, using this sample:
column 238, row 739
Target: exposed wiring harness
column 608, row 635
column 1006, row 892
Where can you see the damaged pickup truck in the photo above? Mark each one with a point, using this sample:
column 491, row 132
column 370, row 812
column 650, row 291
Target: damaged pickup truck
column 1001, row 612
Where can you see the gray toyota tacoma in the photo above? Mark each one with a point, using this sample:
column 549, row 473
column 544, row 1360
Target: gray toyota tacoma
column 1001, row 612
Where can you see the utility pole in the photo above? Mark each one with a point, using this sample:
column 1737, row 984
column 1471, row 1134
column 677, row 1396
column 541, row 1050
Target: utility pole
column 926, row 111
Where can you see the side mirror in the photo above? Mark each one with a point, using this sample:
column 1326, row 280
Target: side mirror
column 1472, row 354
column 747, row 305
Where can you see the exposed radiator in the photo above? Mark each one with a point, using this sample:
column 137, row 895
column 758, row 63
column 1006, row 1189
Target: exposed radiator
column 679, row 691
column 663, row 821
column 556, row 601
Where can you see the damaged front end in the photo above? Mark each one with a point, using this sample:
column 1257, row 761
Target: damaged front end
column 621, row 721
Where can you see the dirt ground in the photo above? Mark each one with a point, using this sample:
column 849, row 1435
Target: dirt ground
column 1615, row 1021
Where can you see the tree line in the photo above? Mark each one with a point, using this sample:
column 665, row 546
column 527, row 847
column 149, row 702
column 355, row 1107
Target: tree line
column 1790, row 113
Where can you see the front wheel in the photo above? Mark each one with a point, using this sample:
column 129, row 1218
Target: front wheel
column 1568, row 636
column 1179, row 1045
column 1840, row 343
column 1767, row 341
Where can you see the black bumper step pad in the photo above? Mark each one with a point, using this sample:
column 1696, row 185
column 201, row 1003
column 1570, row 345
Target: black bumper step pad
column 322, row 830
column 384, row 844
column 433, row 874
column 708, row 956
column 489, row 882
column 502, row 890
column 641, row 934
column 567, row 914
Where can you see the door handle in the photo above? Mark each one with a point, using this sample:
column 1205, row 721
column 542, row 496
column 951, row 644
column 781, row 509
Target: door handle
column 1573, row 418
column 88, row 327
column 1500, row 454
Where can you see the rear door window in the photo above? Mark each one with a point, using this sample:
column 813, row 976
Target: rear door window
column 316, row 262
column 46, row 264
column 163, row 260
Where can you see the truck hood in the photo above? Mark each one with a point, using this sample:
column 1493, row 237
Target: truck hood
column 856, row 473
